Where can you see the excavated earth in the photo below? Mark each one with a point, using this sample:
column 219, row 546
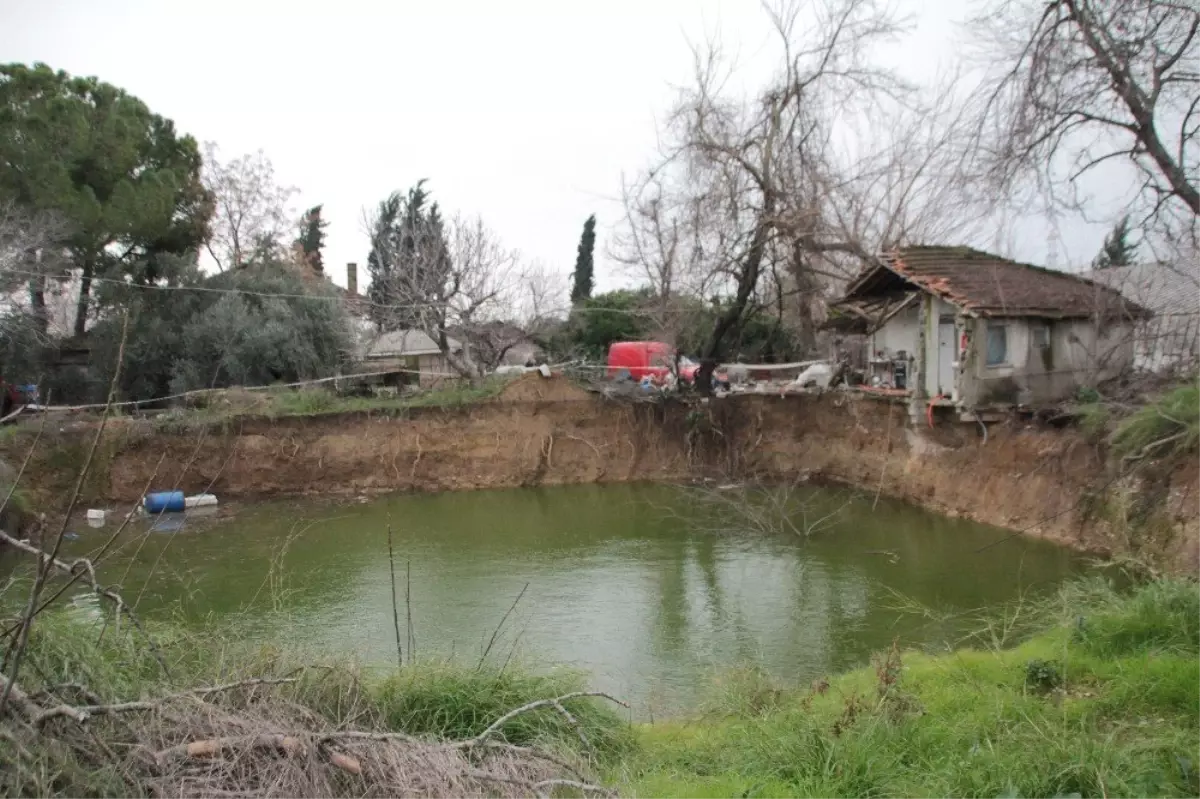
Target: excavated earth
column 1033, row 479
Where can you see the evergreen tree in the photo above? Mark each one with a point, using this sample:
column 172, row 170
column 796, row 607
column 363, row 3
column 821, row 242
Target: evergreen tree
column 124, row 181
column 582, row 278
column 409, row 258
column 312, row 238
column 1118, row 250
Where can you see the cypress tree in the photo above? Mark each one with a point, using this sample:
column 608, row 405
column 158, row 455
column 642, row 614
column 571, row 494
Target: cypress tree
column 582, row 278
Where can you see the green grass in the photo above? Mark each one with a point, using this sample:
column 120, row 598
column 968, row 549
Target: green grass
column 1094, row 419
column 317, row 402
column 322, row 402
column 1170, row 425
column 449, row 700
column 1124, row 723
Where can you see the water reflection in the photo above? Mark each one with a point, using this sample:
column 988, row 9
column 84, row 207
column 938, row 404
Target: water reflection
column 617, row 586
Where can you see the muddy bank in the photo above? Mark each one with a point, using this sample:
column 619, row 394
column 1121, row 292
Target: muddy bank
column 1041, row 481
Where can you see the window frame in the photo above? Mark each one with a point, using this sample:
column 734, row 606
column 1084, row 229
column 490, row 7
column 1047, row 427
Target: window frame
column 1043, row 330
column 1002, row 327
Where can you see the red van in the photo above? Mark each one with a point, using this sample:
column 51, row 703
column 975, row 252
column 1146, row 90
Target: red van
column 651, row 358
column 644, row 358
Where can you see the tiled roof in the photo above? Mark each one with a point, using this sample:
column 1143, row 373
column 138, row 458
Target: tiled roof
column 403, row 343
column 988, row 285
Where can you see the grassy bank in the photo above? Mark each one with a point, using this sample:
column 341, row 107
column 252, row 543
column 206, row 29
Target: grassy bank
column 1102, row 698
column 1102, row 702
column 226, row 719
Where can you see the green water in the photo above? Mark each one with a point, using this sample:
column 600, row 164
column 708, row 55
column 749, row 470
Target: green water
column 619, row 583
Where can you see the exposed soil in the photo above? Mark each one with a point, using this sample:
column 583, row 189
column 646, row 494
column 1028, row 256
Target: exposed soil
column 1026, row 477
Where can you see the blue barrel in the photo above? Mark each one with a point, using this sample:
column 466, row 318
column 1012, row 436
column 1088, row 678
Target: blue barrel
column 163, row 502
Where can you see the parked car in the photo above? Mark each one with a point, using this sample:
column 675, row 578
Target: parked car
column 652, row 359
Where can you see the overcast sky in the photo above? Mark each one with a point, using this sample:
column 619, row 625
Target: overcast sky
column 524, row 112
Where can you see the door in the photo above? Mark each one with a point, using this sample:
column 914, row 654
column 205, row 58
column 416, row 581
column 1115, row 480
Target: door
column 945, row 358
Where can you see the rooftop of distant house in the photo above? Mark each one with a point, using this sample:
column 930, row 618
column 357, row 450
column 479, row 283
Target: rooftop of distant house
column 405, row 343
column 1167, row 289
column 982, row 284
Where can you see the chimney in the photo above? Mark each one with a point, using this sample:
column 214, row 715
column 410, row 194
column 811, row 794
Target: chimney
column 352, row 278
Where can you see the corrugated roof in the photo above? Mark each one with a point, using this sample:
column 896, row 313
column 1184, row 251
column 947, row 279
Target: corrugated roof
column 988, row 285
column 405, row 343
column 1165, row 289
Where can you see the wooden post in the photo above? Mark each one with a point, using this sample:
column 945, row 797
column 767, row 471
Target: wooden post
column 916, row 407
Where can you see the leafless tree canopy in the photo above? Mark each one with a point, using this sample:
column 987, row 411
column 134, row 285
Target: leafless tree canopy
column 1087, row 82
column 785, row 192
column 252, row 216
column 31, row 256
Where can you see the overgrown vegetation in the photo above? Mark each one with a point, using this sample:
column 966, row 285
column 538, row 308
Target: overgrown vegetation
column 260, row 721
column 1113, row 710
column 1168, row 426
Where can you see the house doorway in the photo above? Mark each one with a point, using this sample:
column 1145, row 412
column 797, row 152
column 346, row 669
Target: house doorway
column 945, row 357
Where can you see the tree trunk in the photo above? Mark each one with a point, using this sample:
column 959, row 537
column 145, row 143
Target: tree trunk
column 37, row 301
column 85, row 291
column 732, row 318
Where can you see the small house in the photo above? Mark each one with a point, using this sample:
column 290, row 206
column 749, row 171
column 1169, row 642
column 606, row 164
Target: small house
column 956, row 326
column 410, row 356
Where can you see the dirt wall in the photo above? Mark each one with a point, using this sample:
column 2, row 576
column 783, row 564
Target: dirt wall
column 1033, row 479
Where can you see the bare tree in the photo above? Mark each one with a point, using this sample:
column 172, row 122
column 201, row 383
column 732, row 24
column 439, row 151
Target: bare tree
column 252, row 216
column 787, row 192
column 1084, row 83
column 663, row 242
column 32, row 263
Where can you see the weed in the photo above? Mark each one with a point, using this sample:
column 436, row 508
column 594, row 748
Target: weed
column 1094, row 419
column 1042, row 676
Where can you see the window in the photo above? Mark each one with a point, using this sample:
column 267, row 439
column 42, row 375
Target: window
column 997, row 345
column 1041, row 345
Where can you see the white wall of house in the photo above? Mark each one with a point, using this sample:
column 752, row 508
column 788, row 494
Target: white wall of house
column 900, row 333
column 1043, row 360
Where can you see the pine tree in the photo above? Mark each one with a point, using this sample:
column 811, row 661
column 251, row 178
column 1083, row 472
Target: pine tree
column 312, row 238
column 1118, row 250
column 582, row 279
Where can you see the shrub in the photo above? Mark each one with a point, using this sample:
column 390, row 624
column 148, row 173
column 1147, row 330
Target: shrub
column 184, row 340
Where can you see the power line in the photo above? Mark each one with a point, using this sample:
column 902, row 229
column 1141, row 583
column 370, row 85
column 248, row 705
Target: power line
column 356, row 299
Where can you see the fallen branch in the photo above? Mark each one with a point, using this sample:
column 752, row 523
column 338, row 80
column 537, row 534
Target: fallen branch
column 555, row 703
column 539, row 787
column 83, row 712
column 83, row 566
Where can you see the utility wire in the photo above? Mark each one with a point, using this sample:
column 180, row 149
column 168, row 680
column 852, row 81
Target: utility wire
column 357, row 299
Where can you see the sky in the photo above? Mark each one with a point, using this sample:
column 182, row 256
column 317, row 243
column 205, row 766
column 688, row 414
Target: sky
column 527, row 113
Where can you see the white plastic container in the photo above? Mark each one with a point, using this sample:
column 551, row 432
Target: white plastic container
column 200, row 501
